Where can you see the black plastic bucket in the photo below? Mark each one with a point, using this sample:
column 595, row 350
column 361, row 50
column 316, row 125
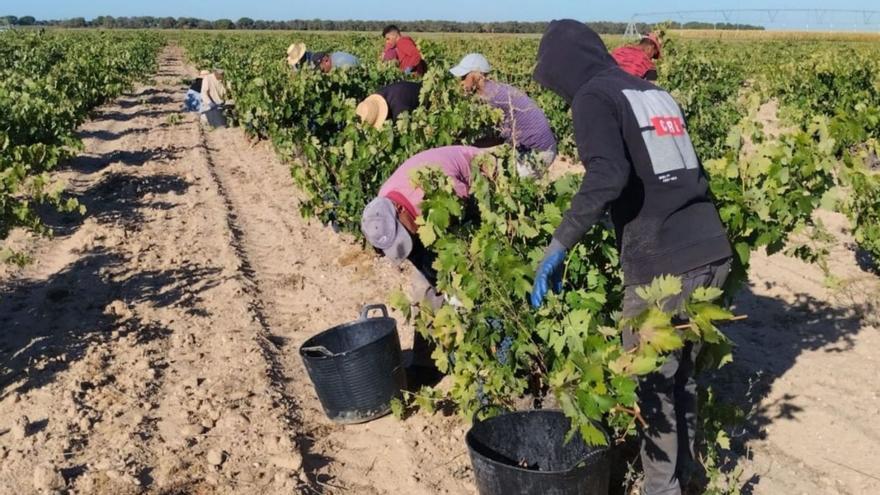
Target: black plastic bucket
column 356, row 368
column 525, row 453
column 215, row 117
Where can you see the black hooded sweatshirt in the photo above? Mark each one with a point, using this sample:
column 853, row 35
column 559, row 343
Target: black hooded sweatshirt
column 633, row 141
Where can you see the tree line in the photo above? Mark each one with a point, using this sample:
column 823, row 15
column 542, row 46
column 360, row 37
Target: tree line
column 147, row 22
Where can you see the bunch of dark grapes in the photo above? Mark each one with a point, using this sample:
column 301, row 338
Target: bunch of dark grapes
column 481, row 396
column 503, row 353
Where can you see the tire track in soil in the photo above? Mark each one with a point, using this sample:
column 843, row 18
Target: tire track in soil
column 268, row 349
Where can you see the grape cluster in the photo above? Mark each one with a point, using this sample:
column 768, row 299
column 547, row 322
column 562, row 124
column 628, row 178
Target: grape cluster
column 495, row 324
column 503, row 353
column 481, row 396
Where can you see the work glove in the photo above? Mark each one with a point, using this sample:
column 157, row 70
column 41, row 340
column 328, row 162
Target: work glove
column 549, row 274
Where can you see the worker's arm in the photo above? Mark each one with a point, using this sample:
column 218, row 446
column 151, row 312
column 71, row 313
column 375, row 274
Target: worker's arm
column 389, row 54
column 601, row 147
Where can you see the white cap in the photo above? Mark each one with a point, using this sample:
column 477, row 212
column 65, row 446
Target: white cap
column 470, row 63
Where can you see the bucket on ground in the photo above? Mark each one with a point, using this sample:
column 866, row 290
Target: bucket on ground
column 525, row 453
column 214, row 117
column 357, row 368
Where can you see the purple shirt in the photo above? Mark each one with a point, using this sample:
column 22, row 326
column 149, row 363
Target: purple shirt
column 524, row 122
column 454, row 161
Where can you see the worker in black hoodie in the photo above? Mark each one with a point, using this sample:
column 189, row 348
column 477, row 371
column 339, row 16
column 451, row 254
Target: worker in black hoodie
column 633, row 140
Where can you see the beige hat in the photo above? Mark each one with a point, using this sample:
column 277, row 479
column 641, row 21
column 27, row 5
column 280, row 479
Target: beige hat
column 295, row 53
column 373, row 110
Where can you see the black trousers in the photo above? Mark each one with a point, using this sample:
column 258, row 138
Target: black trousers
column 668, row 397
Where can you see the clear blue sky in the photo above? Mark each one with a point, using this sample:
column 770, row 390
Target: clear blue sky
column 461, row 10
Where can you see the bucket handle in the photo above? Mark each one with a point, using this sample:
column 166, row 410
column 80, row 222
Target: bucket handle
column 365, row 312
column 318, row 349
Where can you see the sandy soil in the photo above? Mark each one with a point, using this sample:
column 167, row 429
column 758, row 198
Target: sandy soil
column 151, row 346
column 805, row 369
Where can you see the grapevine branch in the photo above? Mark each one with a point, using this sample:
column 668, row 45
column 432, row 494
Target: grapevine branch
column 634, row 412
column 687, row 326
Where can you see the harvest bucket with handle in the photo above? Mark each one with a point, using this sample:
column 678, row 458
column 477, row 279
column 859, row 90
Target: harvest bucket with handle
column 215, row 117
column 525, row 453
column 356, row 368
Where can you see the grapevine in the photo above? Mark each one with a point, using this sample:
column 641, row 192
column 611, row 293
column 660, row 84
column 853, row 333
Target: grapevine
column 766, row 188
column 48, row 84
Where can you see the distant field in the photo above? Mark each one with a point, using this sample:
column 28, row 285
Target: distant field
column 725, row 35
column 415, row 34
column 776, row 35
column 685, row 33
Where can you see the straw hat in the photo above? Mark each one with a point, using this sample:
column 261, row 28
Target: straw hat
column 295, row 53
column 373, row 110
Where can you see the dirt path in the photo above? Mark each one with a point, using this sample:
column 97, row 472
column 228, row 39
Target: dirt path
column 133, row 356
column 152, row 346
column 806, row 371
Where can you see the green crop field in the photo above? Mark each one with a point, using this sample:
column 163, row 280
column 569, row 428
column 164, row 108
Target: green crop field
column 48, row 84
column 768, row 178
column 767, row 188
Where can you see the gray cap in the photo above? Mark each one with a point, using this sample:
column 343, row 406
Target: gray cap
column 470, row 63
column 383, row 231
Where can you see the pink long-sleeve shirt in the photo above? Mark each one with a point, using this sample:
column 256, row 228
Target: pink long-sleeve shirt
column 454, row 161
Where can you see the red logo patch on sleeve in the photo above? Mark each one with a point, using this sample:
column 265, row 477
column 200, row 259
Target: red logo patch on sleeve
column 668, row 126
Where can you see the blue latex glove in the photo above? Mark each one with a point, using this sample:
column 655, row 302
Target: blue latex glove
column 549, row 274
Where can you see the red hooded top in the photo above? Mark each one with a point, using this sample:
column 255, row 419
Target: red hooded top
column 408, row 54
column 635, row 61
